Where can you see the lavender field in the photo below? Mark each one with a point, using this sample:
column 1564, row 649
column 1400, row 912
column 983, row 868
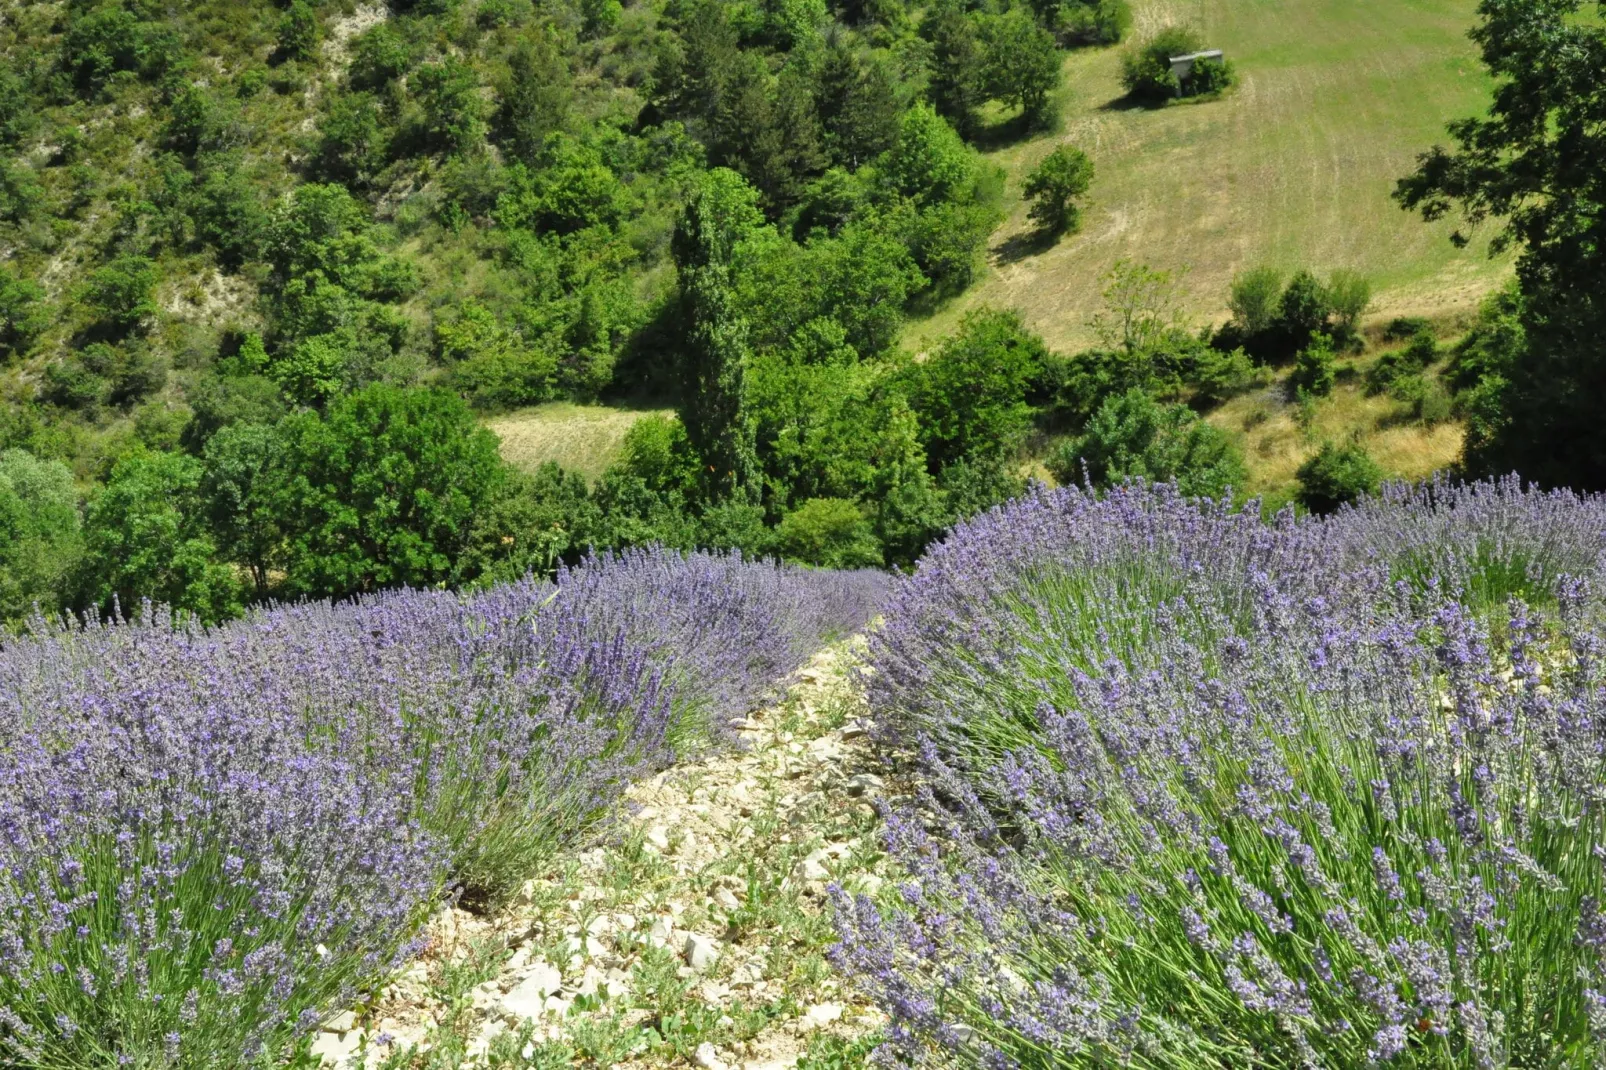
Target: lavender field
column 1205, row 790
column 213, row 839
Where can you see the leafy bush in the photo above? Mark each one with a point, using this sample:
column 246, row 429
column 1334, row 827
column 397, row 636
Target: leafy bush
column 1396, row 364
column 1053, row 186
column 1349, row 295
column 1217, row 376
column 146, row 539
column 1314, row 369
column 1404, row 328
column 1302, row 312
column 1021, row 65
column 1093, row 22
column 119, row 295
column 830, row 532
column 383, row 489
column 299, row 31
column 1132, row 436
column 1146, row 68
column 23, row 313
column 971, row 395
column 1255, row 300
column 40, row 542
column 1337, row 475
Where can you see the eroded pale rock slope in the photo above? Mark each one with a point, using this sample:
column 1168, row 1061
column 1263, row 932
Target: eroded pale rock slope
column 694, row 934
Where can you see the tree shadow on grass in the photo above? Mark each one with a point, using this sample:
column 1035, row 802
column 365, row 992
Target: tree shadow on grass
column 1017, row 247
column 990, row 137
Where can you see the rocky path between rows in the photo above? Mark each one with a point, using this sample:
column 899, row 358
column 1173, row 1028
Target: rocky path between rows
column 693, row 934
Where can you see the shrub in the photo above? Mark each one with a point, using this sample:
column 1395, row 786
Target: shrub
column 40, row 541
column 1217, row 376
column 299, row 32
column 1314, row 369
column 1404, row 328
column 1395, row 364
column 453, row 112
column 1053, row 187
column 379, row 57
column 145, row 538
column 118, row 296
column 1349, row 295
column 830, row 532
column 1146, row 68
column 1094, row 22
column 1132, row 436
column 24, row 315
column 1302, row 312
column 1209, row 77
column 971, row 395
column 1337, row 475
column 384, row 490
column 1255, row 300
column 1021, row 65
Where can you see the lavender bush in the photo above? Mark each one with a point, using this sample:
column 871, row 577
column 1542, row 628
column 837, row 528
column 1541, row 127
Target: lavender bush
column 1485, row 542
column 1289, row 813
column 209, row 839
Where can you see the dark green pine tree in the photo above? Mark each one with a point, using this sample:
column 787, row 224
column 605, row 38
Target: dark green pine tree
column 534, row 99
column 766, row 129
column 714, row 352
column 857, row 102
column 958, row 64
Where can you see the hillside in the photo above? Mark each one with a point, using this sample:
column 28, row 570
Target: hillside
column 1293, row 169
column 320, row 298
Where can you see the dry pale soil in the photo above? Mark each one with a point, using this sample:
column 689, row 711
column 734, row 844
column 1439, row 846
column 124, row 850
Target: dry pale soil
column 691, row 933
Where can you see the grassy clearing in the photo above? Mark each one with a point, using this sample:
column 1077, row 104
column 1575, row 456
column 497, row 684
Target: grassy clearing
column 582, row 438
column 1294, row 167
column 1266, row 426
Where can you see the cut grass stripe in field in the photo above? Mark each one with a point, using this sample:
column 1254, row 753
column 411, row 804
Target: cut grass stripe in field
column 1293, row 168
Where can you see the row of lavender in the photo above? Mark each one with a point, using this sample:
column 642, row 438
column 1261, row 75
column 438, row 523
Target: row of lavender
column 209, row 839
column 1204, row 790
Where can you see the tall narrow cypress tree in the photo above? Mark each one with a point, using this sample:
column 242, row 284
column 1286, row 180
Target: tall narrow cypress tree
column 714, row 352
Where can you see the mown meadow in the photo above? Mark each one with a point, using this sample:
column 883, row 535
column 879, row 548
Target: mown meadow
column 1203, row 789
column 214, row 839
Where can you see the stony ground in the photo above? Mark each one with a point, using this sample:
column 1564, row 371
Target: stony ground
column 692, row 934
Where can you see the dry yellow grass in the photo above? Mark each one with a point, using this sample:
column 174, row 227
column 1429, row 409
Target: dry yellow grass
column 1265, row 425
column 1293, row 168
column 582, row 438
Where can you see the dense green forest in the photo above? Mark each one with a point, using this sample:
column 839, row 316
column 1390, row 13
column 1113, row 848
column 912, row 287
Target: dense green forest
column 265, row 267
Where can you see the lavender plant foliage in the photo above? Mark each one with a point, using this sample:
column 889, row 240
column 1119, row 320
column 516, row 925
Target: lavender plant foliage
column 1284, row 816
column 1055, row 583
column 1486, row 541
column 731, row 628
column 188, row 875
column 209, row 839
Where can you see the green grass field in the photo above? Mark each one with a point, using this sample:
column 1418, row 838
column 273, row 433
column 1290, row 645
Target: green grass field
column 582, row 438
column 1293, row 168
